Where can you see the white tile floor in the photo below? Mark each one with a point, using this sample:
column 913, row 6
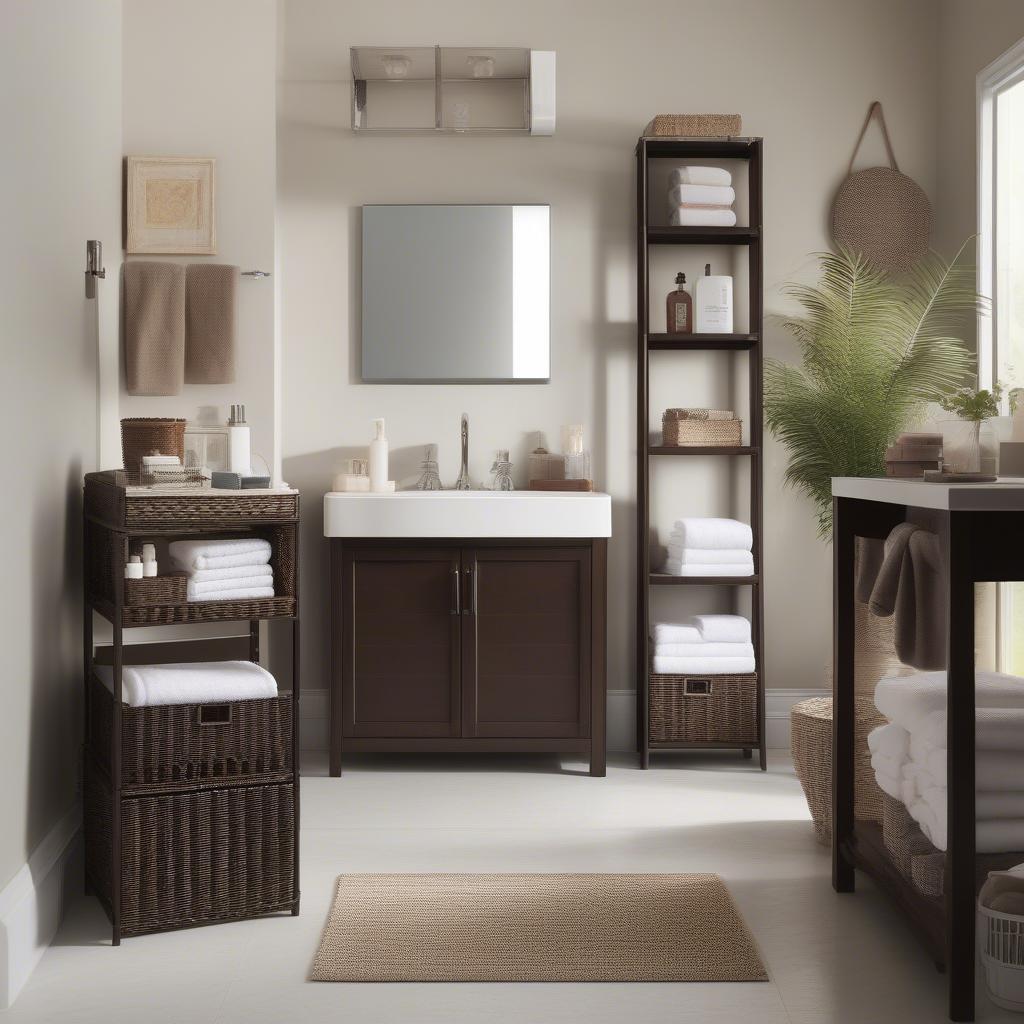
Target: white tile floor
column 832, row 959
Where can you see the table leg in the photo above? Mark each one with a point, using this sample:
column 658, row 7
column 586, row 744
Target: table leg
column 843, row 712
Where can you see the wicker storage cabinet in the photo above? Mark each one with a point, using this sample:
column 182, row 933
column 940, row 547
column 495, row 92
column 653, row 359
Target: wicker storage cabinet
column 170, row 588
column 704, row 709
column 193, row 858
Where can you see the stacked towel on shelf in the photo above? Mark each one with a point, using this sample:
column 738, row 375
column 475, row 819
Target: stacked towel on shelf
column 209, row 682
column 710, row 547
column 703, row 645
column 225, row 570
column 701, row 197
column 909, row 755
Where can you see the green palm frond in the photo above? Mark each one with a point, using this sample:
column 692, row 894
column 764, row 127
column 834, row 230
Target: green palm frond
column 874, row 350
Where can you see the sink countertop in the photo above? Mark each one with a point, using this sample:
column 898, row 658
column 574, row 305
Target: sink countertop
column 483, row 514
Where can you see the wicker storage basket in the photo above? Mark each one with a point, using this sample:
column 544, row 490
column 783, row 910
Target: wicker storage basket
column 928, row 873
column 695, row 125
column 150, row 435
column 811, row 745
column 902, row 836
column 171, row 588
column 193, row 858
column 704, row 709
column 681, row 427
column 190, row 745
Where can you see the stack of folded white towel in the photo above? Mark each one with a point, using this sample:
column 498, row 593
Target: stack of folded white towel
column 909, row 753
column 704, row 546
column 225, row 570
column 701, row 197
column 199, row 682
column 703, row 645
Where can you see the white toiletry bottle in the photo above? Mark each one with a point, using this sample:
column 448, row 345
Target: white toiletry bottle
column 379, row 460
column 712, row 303
column 239, row 447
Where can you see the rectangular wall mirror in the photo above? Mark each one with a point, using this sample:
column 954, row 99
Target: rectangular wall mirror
column 456, row 294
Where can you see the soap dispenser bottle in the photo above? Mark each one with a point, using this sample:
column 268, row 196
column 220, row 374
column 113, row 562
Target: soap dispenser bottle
column 679, row 319
column 239, row 443
column 713, row 303
column 379, row 459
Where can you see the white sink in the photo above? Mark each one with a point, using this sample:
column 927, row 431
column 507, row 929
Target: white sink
column 468, row 514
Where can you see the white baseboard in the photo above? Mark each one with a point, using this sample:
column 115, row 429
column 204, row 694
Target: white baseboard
column 621, row 718
column 32, row 903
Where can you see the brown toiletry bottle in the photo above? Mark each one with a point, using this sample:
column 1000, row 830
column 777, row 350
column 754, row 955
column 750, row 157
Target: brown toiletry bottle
column 680, row 308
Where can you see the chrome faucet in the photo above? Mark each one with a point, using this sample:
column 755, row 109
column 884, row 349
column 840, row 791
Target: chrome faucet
column 463, row 484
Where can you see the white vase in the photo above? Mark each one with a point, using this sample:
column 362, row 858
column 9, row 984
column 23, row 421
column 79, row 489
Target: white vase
column 961, row 445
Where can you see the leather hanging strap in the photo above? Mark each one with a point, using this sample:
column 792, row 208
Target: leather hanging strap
column 875, row 110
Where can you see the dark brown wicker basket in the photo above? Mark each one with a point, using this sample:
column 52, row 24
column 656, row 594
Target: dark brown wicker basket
column 902, row 836
column 193, row 858
column 150, row 435
column 704, row 709
column 171, row 588
column 190, row 745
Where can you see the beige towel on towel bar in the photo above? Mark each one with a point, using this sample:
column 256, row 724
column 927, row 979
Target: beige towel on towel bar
column 154, row 327
column 211, row 297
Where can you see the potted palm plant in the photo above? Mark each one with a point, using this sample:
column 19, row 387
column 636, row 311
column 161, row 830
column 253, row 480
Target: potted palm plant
column 875, row 350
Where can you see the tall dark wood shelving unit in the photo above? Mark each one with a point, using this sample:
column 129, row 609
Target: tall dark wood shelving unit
column 750, row 236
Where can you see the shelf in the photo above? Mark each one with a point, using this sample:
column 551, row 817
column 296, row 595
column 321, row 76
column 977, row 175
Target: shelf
column 705, row 745
column 198, row 611
column 721, row 149
column 702, row 236
column 701, row 342
column 661, row 579
column 708, row 449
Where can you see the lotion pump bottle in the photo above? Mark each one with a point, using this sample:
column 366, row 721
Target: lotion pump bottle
column 712, row 306
column 239, row 443
column 379, row 460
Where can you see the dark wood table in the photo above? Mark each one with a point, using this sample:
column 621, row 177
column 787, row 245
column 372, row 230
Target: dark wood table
column 981, row 530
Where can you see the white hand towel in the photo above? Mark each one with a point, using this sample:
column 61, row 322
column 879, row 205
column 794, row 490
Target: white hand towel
column 218, row 554
column 698, row 174
column 994, row 729
column 1000, row 771
column 232, row 572
column 678, row 569
column 708, row 556
column 907, row 700
column 701, row 195
column 887, row 784
column 995, row 835
column 701, row 217
column 193, row 683
column 702, row 666
column 891, row 740
column 709, row 532
column 704, row 650
column 890, row 766
column 237, row 594
column 209, row 589
column 724, row 629
column 987, row 805
column 676, row 633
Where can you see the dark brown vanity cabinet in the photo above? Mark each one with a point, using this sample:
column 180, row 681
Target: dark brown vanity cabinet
column 463, row 646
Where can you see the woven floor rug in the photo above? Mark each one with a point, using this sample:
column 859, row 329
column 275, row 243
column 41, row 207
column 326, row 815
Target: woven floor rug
column 535, row 927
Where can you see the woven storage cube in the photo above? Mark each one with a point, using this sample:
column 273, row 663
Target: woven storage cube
column 681, row 427
column 191, row 745
column 902, row 836
column 695, row 125
column 928, row 873
column 193, row 858
column 811, row 747
column 171, row 588
column 150, row 435
column 703, row 709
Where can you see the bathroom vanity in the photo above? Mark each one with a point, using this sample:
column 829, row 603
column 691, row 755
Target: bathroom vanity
column 468, row 621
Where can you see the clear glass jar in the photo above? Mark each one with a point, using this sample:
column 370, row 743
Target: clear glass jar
column 430, row 479
column 502, row 470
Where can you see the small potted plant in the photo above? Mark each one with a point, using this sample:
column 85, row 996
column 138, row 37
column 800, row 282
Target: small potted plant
column 962, row 437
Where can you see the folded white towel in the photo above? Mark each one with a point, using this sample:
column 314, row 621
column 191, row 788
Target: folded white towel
column 908, row 700
column 210, row 589
column 708, row 556
column 675, row 633
column 701, row 195
column 887, row 784
column 701, row 217
column 994, row 729
column 994, row 835
column 236, row 594
column 987, row 805
column 698, row 174
column 219, row 554
column 702, row 666
column 709, row 532
column 891, row 740
column 197, row 682
column 723, row 629
column 890, row 766
column 232, row 572
column 1000, row 771
column 673, row 568
column 704, row 650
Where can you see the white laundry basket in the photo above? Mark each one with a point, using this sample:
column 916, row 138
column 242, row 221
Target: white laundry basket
column 1001, row 938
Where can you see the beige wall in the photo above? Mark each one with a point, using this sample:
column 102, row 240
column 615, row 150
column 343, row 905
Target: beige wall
column 60, row 107
column 802, row 74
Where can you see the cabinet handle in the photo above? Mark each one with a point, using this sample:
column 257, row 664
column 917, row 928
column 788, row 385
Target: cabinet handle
column 470, row 608
column 457, row 595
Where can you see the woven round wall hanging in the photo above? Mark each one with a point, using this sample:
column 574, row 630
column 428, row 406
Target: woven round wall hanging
column 879, row 212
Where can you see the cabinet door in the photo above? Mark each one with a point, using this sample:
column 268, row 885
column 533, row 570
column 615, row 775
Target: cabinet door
column 526, row 642
column 400, row 647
